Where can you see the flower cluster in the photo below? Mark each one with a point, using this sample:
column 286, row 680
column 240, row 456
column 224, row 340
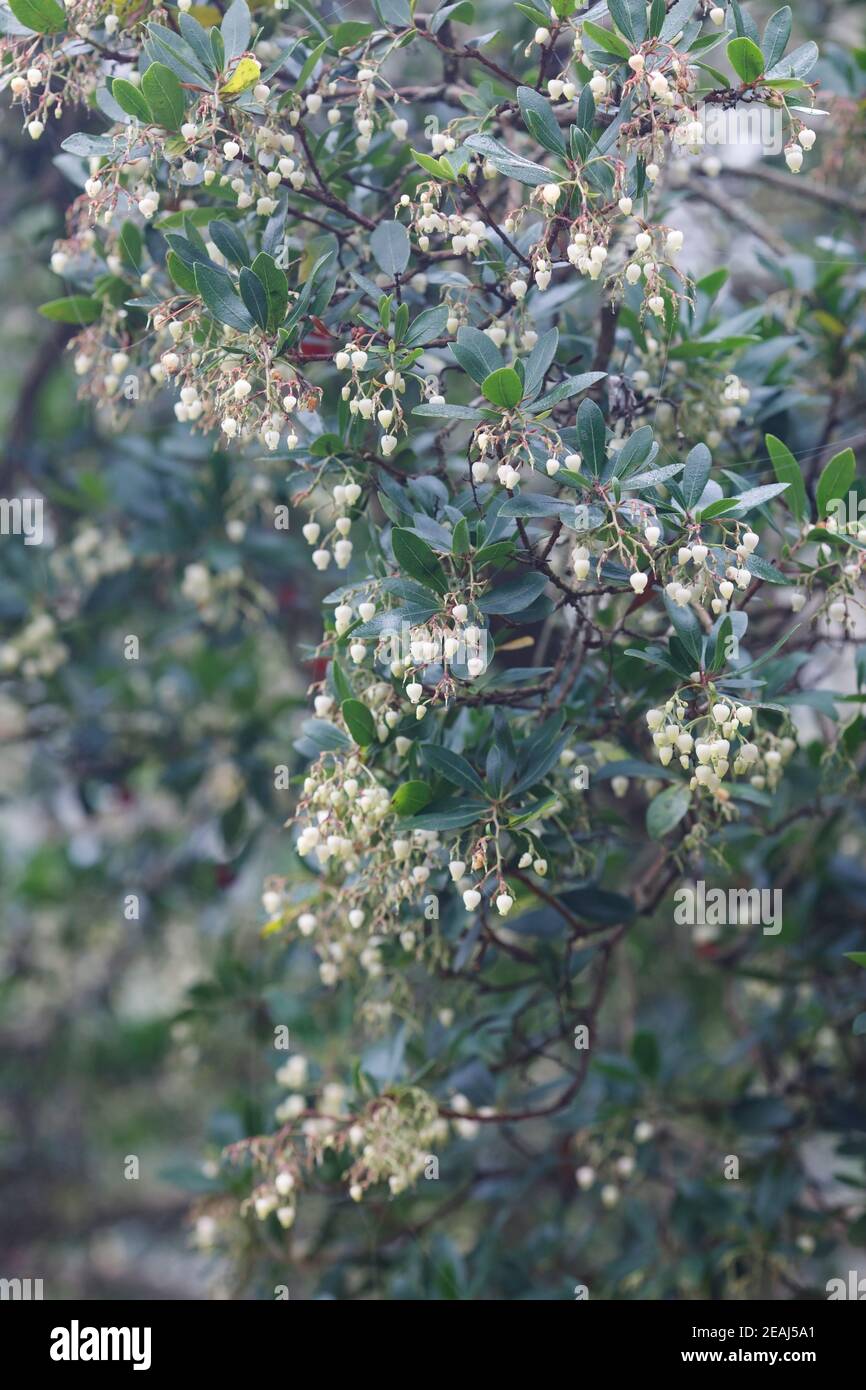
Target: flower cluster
column 466, row 235
column 372, row 875
column 688, row 399
column 35, row 650
column 45, row 73
column 390, row 1140
column 223, row 595
column 612, row 1161
column 725, row 738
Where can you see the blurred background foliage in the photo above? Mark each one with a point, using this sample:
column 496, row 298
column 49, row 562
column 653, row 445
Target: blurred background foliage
column 152, row 778
column 152, row 1035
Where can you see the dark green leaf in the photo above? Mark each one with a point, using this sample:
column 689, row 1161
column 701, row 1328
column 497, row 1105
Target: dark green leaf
column 453, row 767
column 254, row 297
column 585, row 111
column 503, row 388
column 599, row 905
column 452, row 814
column 540, row 120
column 666, row 810
column 228, row 240
column 835, row 480
column 410, row 798
column 539, row 360
column 428, row 325
column 591, row 437
column 762, row 569
column 787, row 470
column 687, row 627
column 189, row 251
column 164, row 95
column 799, row 63
column 395, row 13
column 745, row 501
column 776, row 36
column 678, row 17
column 340, row 682
column 276, row 288
column 350, row 32
column 415, row 557
column 629, row 16
column 514, row 166
column 462, row 12
column 651, row 478
column 746, row 58
column 197, row 38
column 514, row 595
column 359, row 721
column 218, row 292
column 219, row 49
column 476, row 354
column 449, row 412
column 635, row 452
column 236, row 30
column 531, row 504
column 743, row 22
column 131, row 100
column 605, row 39
column 544, row 756
column 565, row 390
column 311, row 62
column 131, row 243
column 182, row 273
column 164, row 45
column 390, row 246
column 75, row 308
column 645, row 1051
column 42, row 16
column 460, row 538
column 695, row 475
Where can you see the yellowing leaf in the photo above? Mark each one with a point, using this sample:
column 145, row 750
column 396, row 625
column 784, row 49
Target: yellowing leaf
column 273, row 926
column 830, row 323
column 308, row 260
column 207, row 15
column 607, row 751
column 245, row 75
